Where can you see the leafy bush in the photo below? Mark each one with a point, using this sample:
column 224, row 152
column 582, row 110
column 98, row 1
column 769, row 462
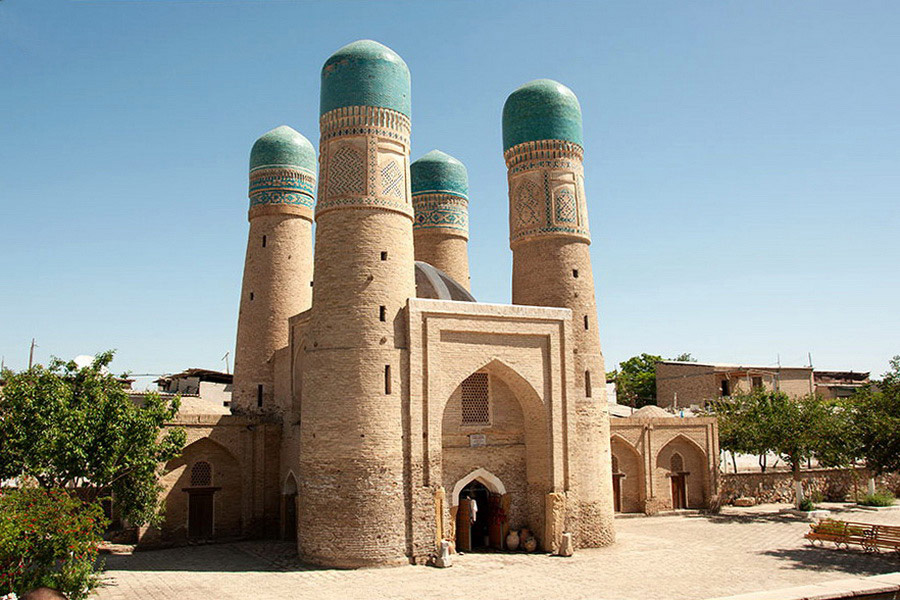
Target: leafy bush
column 807, row 505
column 816, row 496
column 883, row 498
column 48, row 538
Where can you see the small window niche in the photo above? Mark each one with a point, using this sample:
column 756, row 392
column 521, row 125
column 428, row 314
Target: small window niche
column 575, row 273
column 387, row 379
column 586, row 322
column 259, row 396
column 264, row 241
column 384, row 255
column 382, row 313
column 587, row 384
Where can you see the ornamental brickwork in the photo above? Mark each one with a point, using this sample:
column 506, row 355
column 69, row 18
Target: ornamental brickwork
column 441, row 233
column 550, row 237
column 351, row 507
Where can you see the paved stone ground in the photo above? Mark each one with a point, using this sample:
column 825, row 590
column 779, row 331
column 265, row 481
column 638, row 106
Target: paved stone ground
column 684, row 556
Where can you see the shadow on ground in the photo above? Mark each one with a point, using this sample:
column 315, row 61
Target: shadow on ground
column 855, row 562
column 235, row 557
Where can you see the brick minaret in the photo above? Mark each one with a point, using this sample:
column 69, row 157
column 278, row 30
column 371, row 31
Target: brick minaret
column 351, row 502
column 550, row 239
column 278, row 266
column 440, row 195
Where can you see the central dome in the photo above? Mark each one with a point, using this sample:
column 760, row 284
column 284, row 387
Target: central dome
column 542, row 109
column 365, row 73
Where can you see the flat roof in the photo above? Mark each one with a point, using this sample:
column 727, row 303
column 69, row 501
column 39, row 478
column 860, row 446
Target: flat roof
column 733, row 366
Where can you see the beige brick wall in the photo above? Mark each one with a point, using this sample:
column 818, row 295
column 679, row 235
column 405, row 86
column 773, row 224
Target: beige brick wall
column 351, row 475
column 278, row 276
column 698, row 383
column 447, row 252
column 550, row 237
column 644, row 449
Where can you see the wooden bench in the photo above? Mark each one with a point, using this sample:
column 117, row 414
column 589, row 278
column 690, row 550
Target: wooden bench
column 872, row 538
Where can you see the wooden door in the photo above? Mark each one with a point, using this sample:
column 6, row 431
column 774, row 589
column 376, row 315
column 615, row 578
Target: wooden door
column 200, row 515
column 290, row 517
column 496, row 521
column 679, row 492
column 464, row 526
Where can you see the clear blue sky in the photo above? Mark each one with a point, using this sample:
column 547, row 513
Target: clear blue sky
column 742, row 163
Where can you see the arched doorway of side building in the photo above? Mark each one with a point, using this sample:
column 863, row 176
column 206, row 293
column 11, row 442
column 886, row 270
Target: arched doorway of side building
column 289, row 509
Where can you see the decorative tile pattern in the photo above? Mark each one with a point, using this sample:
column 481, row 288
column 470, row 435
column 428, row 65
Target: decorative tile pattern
column 273, row 185
column 441, row 211
column 565, row 206
column 556, row 206
column 354, row 178
column 347, row 175
column 526, row 204
column 392, row 180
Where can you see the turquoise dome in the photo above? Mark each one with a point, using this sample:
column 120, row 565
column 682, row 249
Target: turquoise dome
column 283, row 146
column 365, row 73
column 439, row 172
column 542, row 109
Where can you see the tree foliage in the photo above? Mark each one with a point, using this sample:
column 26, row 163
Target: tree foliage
column 48, row 538
column 69, row 427
column 796, row 429
column 874, row 422
column 635, row 378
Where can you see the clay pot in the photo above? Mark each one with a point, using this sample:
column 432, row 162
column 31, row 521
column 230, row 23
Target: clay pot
column 512, row 539
column 530, row 544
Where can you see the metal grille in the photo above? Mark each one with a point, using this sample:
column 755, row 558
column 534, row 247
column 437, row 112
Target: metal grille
column 201, row 474
column 677, row 463
column 476, row 409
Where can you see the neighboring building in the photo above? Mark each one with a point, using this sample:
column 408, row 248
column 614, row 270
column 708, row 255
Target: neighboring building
column 693, row 384
column 663, row 462
column 371, row 407
column 839, row 384
column 212, row 386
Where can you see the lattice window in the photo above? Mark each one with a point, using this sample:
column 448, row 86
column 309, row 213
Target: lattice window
column 615, row 464
column 476, row 407
column 201, row 474
column 677, row 463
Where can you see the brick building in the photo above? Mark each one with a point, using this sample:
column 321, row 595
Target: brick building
column 374, row 398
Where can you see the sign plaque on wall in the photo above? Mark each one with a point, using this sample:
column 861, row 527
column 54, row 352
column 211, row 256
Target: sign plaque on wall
column 477, row 440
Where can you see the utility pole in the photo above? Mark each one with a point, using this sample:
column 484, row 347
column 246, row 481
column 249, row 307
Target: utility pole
column 31, row 354
column 227, row 367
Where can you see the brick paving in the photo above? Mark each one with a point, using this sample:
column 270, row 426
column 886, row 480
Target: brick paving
column 684, row 556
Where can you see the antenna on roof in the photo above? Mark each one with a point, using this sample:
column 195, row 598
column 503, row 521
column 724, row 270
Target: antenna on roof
column 225, row 358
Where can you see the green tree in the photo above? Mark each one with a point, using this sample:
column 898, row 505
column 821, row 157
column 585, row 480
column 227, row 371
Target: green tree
column 76, row 428
column 796, row 429
column 635, row 378
column 874, row 423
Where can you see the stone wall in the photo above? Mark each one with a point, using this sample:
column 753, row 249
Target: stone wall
column 778, row 486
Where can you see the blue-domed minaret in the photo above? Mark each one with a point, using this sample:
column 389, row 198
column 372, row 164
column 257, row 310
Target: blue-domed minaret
column 440, row 196
column 278, row 264
column 550, row 238
column 351, row 497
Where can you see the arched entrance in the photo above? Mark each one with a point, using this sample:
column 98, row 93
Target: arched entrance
column 289, row 509
column 679, row 481
column 627, row 476
column 683, row 463
column 480, row 515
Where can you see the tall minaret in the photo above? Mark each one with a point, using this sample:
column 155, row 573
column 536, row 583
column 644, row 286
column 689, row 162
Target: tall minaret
column 278, row 267
column 351, row 501
column 549, row 237
column 440, row 194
